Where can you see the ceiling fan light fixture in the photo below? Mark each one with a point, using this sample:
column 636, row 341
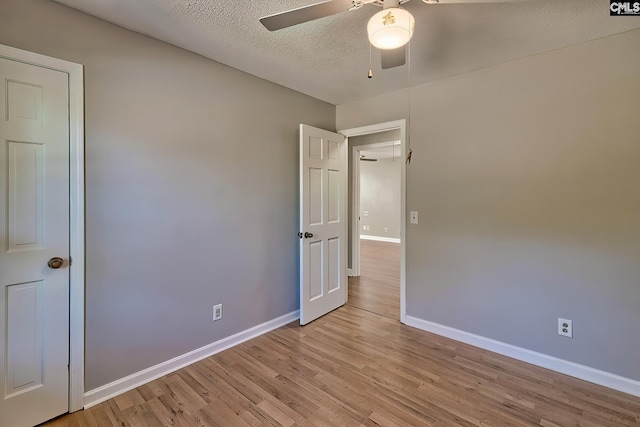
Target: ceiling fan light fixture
column 390, row 28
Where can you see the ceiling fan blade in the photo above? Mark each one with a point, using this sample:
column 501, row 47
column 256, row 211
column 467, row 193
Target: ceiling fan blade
column 305, row 14
column 393, row 57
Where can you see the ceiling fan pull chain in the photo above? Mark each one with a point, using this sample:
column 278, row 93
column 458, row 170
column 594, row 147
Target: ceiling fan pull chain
column 370, row 74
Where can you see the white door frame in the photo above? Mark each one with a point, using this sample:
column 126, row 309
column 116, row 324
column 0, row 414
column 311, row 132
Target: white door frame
column 366, row 130
column 355, row 201
column 76, row 213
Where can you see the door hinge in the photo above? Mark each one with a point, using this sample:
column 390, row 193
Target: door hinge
column 70, row 261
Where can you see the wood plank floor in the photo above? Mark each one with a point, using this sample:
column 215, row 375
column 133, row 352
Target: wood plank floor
column 355, row 368
column 377, row 289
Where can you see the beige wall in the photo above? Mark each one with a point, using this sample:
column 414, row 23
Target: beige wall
column 527, row 179
column 380, row 198
column 191, row 189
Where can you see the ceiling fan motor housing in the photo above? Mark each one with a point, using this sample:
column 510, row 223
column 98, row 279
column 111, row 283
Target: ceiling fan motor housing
column 390, row 28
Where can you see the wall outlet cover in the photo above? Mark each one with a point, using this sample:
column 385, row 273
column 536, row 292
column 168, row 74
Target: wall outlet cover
column 217, row 312
column 565, row 327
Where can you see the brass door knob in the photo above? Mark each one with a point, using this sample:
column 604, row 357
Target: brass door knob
column 55, row 263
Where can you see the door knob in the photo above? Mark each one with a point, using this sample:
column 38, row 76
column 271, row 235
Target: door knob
column 55, row 263
column 307, row 234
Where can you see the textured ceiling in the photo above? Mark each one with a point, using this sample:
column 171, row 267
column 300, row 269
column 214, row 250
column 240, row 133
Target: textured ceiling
column 329, row 58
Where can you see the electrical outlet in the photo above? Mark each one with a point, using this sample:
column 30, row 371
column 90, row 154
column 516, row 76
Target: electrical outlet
column 565, row 327
column 366, row 213
column 217, row 312
column 386, row 229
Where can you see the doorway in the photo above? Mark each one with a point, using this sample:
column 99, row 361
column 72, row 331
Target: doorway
column 378, row 260
column 377, row 191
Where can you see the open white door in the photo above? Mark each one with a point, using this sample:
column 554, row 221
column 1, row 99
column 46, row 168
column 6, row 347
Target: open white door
column 34, row 233
column 323, row 222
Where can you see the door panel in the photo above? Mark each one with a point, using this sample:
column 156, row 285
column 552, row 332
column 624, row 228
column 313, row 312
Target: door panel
column 24, row 102
column 315, row 148
column 315, row 270
column 323, row 274
column 334, row 201
column 315, row 196
column 26, row 195
column 34, row 227
column 24, row 338
column 334, row 264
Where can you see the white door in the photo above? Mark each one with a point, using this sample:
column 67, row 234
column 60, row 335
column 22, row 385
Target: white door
column 34, row 230
column 323, row 222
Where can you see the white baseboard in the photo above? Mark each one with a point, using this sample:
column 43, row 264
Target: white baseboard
column 108, row 391
column 606, row 379
column 380, row 239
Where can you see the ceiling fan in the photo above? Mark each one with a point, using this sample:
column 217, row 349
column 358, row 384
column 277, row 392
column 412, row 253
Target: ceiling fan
column 364, row 158
column 392, row 55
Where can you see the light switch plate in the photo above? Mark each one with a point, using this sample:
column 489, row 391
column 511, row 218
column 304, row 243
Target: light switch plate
column 413, row 217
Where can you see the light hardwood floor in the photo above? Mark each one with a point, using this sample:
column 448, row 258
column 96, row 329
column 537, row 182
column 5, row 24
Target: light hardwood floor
column 377, row 289
column 356, row 368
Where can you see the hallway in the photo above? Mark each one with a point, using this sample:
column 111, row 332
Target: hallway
column 377, row 290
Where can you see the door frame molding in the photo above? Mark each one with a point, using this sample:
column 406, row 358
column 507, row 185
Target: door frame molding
column 76, row 211
column 381, row 127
